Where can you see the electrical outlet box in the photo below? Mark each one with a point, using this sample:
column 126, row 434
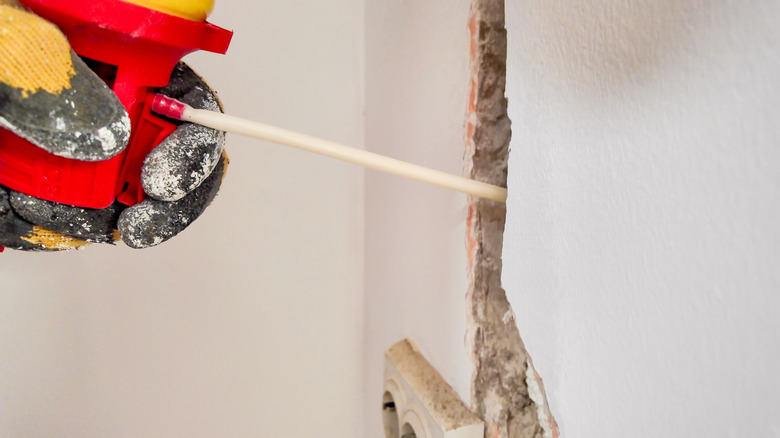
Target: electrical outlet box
column 418, row 403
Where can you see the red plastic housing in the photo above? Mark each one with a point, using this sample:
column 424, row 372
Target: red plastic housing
column 142, row 46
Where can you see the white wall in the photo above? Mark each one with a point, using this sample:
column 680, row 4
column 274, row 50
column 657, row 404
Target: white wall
column 248, row 324
column 417, row 78
column 642, row 242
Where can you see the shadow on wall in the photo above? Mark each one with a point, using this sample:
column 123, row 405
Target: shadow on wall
column 587, row 44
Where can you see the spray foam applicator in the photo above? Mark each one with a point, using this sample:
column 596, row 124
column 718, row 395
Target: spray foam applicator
column 174, row 109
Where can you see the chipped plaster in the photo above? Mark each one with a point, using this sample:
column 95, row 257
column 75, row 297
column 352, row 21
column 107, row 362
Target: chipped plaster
column 506, row 392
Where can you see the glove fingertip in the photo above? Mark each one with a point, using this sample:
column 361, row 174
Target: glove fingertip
column 152, row 222
column 181, row 163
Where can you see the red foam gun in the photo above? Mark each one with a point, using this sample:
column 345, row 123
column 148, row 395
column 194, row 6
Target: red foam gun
column 141, row 46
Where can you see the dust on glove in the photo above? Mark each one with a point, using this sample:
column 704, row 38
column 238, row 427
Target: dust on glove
column 182, row 175
column 50, row 97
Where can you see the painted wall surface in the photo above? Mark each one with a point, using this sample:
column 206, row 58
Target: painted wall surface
column 417, row 78
column 248, row 324
column 642, row 242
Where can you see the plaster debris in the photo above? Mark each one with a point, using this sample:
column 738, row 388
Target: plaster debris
column 509, row 317
column 536, row 393
column 500, row 387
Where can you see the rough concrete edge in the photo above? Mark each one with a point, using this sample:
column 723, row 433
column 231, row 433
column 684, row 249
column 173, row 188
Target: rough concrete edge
column 438, row 397
column 506, row 391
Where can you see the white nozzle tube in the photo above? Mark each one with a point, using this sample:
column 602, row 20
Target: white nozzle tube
column 223, row 122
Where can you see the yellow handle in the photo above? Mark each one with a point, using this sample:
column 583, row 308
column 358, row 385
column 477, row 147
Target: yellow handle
column 195, row 10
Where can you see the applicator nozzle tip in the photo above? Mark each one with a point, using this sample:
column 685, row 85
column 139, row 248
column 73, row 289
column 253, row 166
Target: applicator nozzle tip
column 168, row 107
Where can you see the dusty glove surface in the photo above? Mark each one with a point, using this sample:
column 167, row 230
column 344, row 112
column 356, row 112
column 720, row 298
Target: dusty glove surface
column 153, row 221
column 18, row 233
column 51, row 98
column 182, row 175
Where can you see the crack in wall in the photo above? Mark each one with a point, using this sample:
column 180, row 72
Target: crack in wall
column 500, row 386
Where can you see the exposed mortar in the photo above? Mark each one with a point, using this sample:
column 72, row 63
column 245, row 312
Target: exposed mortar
column 500, row 385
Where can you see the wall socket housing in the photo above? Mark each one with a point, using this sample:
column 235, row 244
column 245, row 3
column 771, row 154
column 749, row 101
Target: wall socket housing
column 418, row 403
